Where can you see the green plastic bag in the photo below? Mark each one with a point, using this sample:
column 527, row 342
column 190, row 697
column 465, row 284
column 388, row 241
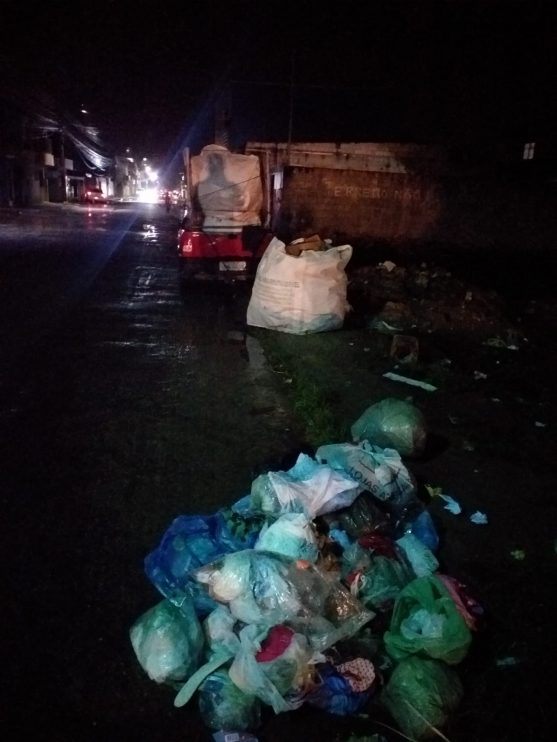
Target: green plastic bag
column 168, row 641
column 392, row 423
column 382, row 582
column 426, row 621
column 420, row 695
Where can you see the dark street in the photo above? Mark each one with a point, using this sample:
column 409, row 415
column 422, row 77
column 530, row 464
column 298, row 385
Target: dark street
column 125, row 402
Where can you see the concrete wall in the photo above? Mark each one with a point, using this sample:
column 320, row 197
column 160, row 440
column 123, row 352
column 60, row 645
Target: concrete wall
column 387, row 206
column 404, row 193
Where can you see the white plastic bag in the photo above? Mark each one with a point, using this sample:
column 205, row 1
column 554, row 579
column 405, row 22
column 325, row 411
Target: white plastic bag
column 308, row 487
column 381, row 471
column 302, row 294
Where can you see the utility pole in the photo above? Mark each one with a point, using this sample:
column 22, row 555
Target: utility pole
column 62, row 151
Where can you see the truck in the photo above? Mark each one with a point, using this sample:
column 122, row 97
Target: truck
column 357, row 193
column 225, row 227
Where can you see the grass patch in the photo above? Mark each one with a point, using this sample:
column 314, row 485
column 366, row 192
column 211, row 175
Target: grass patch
column 313, row 404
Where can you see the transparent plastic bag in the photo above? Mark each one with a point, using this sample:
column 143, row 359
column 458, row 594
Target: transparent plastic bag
column 392, row 423
column 223, row 705
column 191, row 541
column 414, row 628
column 308, row 487
column 420, row 696
column 274, row 680
column 168, row 642
column 266, row 588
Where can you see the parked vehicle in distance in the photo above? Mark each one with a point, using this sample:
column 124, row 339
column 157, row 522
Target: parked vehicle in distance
column 222, row 236
column 94, row 195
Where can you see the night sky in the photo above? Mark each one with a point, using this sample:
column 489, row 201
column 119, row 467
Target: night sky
column 428, row 70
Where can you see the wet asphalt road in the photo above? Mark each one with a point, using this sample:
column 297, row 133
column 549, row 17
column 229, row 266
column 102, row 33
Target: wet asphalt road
column 124, row 403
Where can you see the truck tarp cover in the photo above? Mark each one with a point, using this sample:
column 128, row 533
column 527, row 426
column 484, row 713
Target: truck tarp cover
column 228, row 188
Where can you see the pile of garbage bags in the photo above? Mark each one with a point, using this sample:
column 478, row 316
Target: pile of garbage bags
column 320, row 587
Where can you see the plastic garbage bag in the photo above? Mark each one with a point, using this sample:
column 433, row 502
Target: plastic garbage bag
column 364, row 516
column 421, row 694
column 342, row 688
column 167, row 641
column 380, row 471
column 422, row 560
column 271, row 680
column 191, row 541
column 423, row 527
column 267, row 588
column 308, row 487
column 292, row 534
column 302, row 294
column 379, row 585
column 219, row 629
column 426, row 621
column 223, row 705
column 392, row 423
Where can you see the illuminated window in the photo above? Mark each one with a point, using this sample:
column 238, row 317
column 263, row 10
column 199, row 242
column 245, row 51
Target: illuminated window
column 528, row 152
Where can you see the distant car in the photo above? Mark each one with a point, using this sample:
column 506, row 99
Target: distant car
column 94, row 195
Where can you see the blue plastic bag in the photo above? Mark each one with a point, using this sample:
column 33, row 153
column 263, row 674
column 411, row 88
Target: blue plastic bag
column 192, row 541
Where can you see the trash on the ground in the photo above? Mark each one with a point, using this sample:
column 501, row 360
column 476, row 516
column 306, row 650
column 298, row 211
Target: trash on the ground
column 413, row 382
column 388, row 265
column 405, row 349
column 222, row 736
column 392, row 423
column 507, row 662
column 518, row 555
column 451, row 504
column 421, row 694
column 498, row 342
column 539, row 424
column 303, row 294
column 478, row 518
column 478, row 375
column 321, row 586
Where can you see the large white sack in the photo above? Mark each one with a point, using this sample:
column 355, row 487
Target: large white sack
column 302, row 294
column 228, row 187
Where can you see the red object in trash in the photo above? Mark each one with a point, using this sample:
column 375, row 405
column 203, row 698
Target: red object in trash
column 275, row 643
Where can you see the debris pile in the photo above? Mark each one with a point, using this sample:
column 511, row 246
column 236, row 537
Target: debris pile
column 424, row 298
column 320, row 587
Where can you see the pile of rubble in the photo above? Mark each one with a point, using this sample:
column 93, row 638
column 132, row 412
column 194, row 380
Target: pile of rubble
column 423, row 298
column 319, row 587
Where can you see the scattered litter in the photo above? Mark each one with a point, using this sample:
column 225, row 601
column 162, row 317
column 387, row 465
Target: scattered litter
column 518, row 554
column 507, row 662
column 479, row 375
column 454, row 420
column 478, row 518
column 404, row 349
column 539, row 424
column 262, row 599
column 234, row 737
column 413, row 382
column 468, row 445
column 452, row 505
column 433, row 491
column 498, row 342
column 495, row 399
column 388, row 265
